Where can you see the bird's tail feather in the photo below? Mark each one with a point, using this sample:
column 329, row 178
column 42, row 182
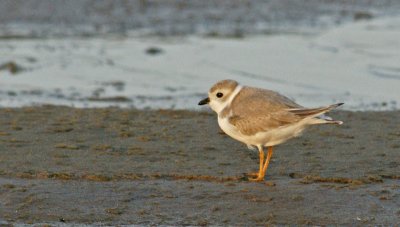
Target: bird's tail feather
column 317, row 114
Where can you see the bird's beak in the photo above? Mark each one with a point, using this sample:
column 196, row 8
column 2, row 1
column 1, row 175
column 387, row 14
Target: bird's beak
column 204, row 101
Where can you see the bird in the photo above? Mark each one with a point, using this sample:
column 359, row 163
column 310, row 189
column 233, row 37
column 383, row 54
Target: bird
column 261, row 118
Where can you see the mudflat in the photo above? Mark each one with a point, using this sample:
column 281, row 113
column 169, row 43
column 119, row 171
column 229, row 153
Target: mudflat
column 165, row 167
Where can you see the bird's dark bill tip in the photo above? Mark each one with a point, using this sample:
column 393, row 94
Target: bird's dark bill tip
column 204, row 101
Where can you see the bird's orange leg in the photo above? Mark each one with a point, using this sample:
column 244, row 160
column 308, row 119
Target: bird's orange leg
column 260, row 175
column 262, row 172
column 269, row 155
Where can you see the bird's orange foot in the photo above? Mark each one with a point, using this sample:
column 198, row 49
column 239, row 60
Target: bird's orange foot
column 255, row 174
column 257, row 179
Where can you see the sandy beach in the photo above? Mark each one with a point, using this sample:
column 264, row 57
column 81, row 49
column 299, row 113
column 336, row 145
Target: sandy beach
column 163, row 167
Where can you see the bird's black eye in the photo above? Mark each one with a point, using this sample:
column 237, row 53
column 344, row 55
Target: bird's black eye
column 219, row 95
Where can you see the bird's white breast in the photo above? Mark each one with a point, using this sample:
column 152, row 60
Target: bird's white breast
column 223, row 122
column 230, row 129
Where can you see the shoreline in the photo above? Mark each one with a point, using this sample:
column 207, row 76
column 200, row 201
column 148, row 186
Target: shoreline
column 128, row 75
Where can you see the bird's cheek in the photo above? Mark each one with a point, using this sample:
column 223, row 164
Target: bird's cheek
column 214, row 106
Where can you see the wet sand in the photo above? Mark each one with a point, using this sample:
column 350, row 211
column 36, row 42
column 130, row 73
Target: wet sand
column 163, row 167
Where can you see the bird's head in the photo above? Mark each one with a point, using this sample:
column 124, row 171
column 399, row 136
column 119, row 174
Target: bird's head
column 221, row 94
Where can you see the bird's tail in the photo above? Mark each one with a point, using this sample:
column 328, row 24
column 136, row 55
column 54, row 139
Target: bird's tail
column 318, row 114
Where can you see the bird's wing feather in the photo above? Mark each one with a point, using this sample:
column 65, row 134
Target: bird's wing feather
column 255, row 110
column 307, row 112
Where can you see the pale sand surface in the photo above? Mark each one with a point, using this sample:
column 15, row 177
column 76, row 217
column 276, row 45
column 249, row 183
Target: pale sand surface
column 119, row 166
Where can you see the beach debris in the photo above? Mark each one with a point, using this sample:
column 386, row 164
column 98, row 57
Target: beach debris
column 154, row 51
column 117, row 85
column 362, row 15
column 12, row 67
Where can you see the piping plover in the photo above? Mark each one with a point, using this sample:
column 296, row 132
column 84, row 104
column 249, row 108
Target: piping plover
column 261, row 118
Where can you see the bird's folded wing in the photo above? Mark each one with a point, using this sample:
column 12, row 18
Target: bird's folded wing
column 250, row 125
column 256, row 110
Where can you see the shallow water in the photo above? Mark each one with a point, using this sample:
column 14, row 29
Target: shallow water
column 39, row 18
column 319, row 55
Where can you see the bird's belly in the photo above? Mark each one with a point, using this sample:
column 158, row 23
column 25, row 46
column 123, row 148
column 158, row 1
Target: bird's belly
column 279, row 135
column 267, row 138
